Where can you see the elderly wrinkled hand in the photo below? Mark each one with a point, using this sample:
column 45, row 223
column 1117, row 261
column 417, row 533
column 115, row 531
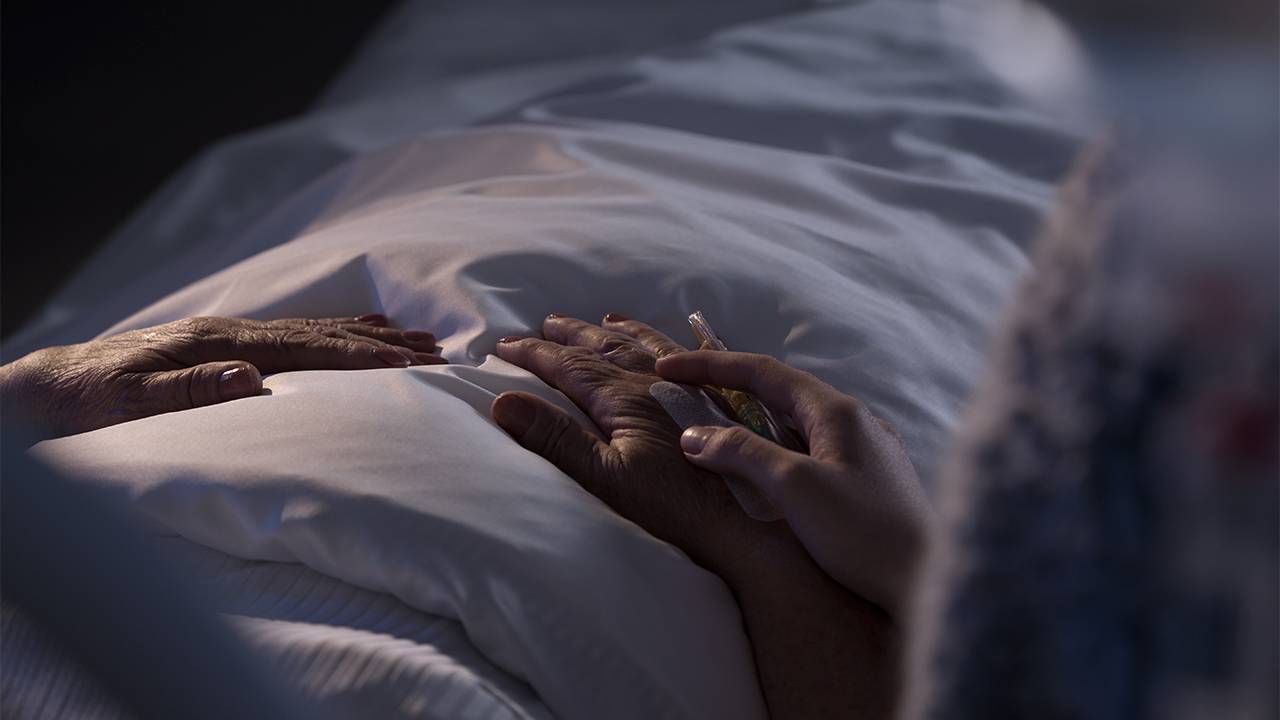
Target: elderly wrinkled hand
column 637, row 469
column 190, row 363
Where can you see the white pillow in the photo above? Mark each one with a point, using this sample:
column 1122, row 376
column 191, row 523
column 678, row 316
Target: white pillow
column 396, row 481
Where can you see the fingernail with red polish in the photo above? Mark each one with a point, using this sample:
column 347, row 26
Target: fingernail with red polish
column 614, row 317
column 372, row 319
column 509, row 339
column 695, row 438
column 513, row 414
column 236, row 383
column 392, row 357
column 553, row 316
column 418, row 336
column 429, row 359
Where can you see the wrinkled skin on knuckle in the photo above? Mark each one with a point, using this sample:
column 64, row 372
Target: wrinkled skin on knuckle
column 672, row 500
column 644, row 475
column 613, row 343
column 297, row 336
column 143, row 395
column 284, row 341
column 577, row 359
column 168, row 346
column 585, row 369
column 630, row 408
column 195, row 328
column 629, row 357
column 295, row 322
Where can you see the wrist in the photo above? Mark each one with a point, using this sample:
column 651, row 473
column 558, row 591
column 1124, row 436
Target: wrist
column 821, row 650
column 757, row 552
column 22, row 407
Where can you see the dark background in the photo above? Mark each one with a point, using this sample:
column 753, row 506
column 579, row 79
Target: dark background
column 102, row 101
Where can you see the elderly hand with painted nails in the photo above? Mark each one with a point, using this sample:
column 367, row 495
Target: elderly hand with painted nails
column 190, row 363
column 820, row 593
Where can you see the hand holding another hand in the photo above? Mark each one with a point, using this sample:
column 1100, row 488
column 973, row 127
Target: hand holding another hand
column 638, row 469
column 854, row 500
column 821, row 594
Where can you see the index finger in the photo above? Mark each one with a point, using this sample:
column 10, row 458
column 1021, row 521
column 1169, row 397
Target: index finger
column 650, row 339
column 821, row 411
column 280, row 349
column 575, row 371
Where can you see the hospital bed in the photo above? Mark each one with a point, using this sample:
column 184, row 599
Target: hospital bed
column 846, row 187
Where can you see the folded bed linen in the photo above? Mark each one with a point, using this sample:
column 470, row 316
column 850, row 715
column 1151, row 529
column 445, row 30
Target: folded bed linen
column 847, row 190
column 356, row 653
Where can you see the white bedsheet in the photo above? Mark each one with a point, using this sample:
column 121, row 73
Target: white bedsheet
column 844, row 190
column 361, row 654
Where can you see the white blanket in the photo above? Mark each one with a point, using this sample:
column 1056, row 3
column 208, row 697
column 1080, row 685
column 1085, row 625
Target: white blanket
column 844, row 190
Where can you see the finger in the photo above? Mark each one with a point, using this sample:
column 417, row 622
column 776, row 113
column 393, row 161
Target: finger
column 846, row 521
column 306, row 350
column 619, row 349
column 575, row 371
column 419, row 340
column 416, row 340
column 376, row 319
column 890, row 429
column 371, row 319
column 287, row 349
column 417, row 344
column 202, row 385
column 824, row 414
column 548, row 431
column 737, row 452
column 420, row 355
column 280, row 349
column 652, row 340
column 572, row 331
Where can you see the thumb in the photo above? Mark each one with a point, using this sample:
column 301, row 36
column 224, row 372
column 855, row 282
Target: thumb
column 550, row 432
column 758, row 465
column 207, row 384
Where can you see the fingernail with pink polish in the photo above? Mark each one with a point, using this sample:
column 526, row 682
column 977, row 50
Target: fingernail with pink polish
column 513, row 414
column 236, row 383
column 429, row 359
column 509, row 339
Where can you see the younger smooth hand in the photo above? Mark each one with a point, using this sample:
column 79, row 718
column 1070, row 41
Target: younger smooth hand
column 854, row 500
